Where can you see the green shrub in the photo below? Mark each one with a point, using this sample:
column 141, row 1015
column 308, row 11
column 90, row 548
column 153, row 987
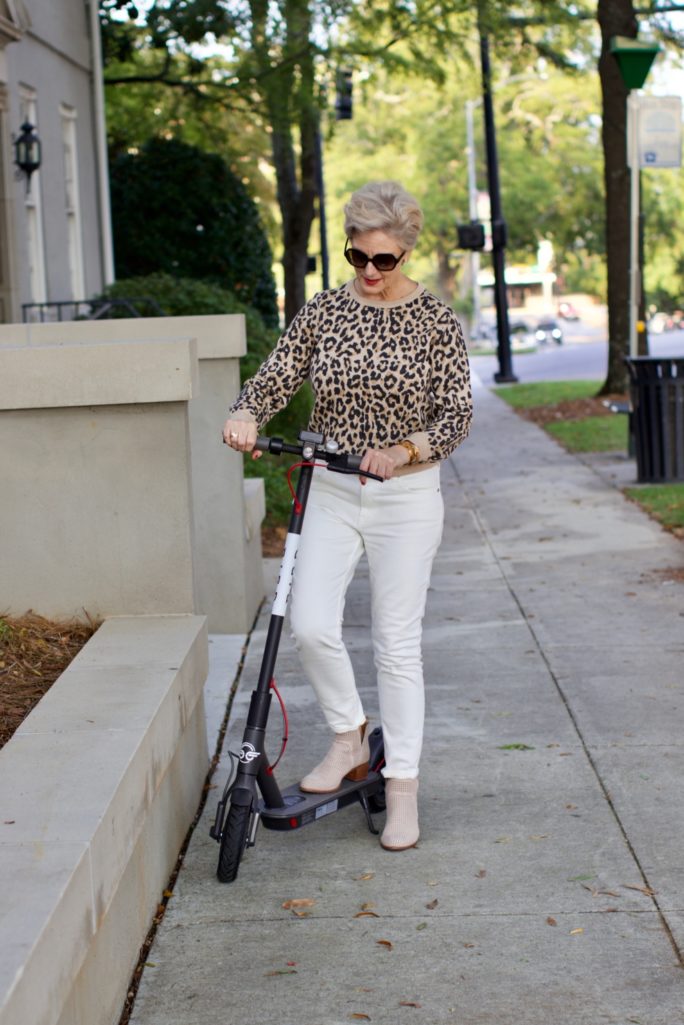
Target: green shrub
column 182, row 211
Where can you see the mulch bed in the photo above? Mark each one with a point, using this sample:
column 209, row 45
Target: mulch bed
column 34, row 651
column 273, row 542
column 570, row 409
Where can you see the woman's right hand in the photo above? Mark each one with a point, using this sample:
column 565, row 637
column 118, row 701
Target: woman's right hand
column 241, row 434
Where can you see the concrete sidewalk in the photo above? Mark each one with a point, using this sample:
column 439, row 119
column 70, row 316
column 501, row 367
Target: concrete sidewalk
column 548, row 885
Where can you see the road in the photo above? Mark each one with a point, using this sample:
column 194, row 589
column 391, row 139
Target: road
column 582, row 356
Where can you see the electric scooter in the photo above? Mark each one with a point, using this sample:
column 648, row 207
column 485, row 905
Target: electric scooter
column 240, row 809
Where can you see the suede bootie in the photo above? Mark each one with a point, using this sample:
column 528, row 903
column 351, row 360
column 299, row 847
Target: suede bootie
column 347, row 758
column 401, row 827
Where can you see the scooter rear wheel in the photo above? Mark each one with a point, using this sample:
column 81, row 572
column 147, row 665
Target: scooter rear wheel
column 233, row 840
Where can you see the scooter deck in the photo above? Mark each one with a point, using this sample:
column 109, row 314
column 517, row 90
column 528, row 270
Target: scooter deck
column 300, row 808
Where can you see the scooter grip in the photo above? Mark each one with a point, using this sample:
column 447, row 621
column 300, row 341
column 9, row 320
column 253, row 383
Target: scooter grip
column 353, row 461
column 262, row 444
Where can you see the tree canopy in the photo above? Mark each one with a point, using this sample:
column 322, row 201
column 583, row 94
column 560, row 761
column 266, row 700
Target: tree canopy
column 272, row 67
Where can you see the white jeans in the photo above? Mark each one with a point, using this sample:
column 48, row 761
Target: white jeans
column 399, row 525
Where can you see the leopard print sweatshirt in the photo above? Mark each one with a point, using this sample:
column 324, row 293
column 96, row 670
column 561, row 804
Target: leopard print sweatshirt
column 381, row 371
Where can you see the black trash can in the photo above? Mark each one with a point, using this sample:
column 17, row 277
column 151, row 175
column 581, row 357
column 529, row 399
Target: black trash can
column 657, row 389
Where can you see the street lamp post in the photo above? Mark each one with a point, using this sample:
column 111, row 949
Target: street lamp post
column 634, row 58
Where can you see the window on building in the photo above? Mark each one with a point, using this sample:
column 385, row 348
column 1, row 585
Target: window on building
column 72, row 203
column 35, row 243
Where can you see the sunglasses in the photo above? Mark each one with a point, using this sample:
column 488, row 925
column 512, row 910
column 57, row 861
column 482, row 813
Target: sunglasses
column 381, row 261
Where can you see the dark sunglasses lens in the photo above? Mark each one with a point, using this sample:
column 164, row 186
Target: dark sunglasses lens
column 382, row 261
column 385, row 261
column 356, row 258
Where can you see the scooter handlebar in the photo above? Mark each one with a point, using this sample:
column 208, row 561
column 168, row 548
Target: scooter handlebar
column 342, row 462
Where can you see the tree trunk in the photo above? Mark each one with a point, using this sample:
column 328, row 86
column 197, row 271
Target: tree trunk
column 288, row 90
column 616, row 18
column 446, row 274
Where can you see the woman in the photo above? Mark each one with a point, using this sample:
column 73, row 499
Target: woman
column 389, row 370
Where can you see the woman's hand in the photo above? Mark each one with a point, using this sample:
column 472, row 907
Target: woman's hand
column 384, row 461
column 240, row 432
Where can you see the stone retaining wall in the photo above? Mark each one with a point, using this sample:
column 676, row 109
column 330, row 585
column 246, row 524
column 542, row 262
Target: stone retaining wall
column 98, row 788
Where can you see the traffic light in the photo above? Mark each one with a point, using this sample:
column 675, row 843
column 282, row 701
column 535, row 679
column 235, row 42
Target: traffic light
column 471, row 236
column 343, row 101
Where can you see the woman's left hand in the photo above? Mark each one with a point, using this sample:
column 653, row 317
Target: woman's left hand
column 384, row 461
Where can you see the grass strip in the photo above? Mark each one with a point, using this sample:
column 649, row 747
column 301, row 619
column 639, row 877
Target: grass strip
column 665, row 502
column 592, row 434
column 546, row 393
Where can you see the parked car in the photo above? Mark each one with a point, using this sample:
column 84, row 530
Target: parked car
column 660, row 322
column 548, row 331
column 522, row 336
column 566, row 311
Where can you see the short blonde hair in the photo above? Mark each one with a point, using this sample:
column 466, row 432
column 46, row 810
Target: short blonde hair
column 384, row 206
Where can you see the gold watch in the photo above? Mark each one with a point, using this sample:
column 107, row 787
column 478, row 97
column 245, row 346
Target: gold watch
column 413, row 451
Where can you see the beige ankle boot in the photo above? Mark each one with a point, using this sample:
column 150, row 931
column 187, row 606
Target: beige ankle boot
column 401, row 827
column 348, row 758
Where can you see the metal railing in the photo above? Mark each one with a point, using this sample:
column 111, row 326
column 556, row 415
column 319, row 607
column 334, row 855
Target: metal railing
column 90, row 309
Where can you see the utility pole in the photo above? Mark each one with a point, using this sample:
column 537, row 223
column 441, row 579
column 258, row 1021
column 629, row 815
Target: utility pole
column 505, row 373
column 322, row 224
column 475, row 328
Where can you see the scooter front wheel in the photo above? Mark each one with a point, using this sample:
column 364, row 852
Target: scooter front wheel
column 233, row 841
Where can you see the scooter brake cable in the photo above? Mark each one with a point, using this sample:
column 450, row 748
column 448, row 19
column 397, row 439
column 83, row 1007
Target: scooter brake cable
column 286, row 727
column 295, row 466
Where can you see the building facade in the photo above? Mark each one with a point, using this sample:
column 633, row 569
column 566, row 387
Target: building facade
column 55, row 231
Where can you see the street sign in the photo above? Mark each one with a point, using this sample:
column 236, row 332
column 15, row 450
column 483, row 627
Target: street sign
column 659, row 131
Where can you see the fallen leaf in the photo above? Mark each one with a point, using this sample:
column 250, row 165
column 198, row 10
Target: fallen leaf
column 9, row 822
column 469, row 946
column 281, row 971
column 503, row 839
column 551, row 921
column 301, row 914
column 366, row 914
column 360, row 1017
column 385, row 943
column 298, row 902
column 576, row 932
column 368, row 905
column 539, row 836
column 601, row 893
column 366, row 875
column 168, row 893
column 409, row 1003
column 571, row 807
column 150, row 964
column 481, row 874
column 421, row 926
column 646, row 890
column 515, row 747
column 608, row 911
column 432, row 905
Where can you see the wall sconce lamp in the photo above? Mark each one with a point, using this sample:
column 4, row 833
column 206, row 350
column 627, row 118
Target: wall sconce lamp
column 27, row 152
